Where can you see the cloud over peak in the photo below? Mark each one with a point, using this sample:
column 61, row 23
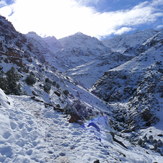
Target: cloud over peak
column 65, row 17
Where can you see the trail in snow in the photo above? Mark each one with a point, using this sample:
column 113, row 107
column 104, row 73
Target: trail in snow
column 60, row 140
column 31, row 133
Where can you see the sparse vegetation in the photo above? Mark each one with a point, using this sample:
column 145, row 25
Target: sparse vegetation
column 9, row 81
column 47, row 87
column 31, row 79
column 66, row 92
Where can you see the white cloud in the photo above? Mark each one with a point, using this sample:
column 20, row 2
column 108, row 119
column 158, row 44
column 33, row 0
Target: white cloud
column 159, row 27
column 87, row 2
column 123, row 30
column 65, row 17
column 157, row 3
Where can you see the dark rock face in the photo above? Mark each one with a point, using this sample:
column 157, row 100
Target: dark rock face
column 79, row 112
column 74, row 118
column 97, row 161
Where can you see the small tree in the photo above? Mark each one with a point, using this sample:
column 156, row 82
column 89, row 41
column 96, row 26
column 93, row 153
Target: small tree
column 47, row 80
column 57, row 85
column 47, row 87
column 12, row 78
column 30, row 80
column 3, row 80
column 66, row 92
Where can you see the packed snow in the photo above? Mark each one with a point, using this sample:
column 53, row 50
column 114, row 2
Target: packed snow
column 30, row 132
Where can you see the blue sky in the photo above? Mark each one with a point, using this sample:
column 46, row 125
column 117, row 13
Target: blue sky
column 99, row 18
column 6, row 2
column 111, row 5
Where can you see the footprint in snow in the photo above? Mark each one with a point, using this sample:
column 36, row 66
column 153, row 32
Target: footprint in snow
column 30, row 122
column 6, row 151
column 6, row 135
column 76, row 133
column 13, row 125
column 21, row 125
column 29, row 152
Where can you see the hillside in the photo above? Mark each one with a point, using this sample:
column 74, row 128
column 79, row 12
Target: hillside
column 134, row 89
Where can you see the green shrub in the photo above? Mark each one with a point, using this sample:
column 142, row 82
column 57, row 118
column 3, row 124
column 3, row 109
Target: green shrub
column 47, row 80
column 12, row 85
column 30, row 80
column 57, row 85
column 54, row 83
column 47, row 87
column 66, row 92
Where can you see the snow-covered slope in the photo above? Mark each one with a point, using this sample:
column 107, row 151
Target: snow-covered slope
column 69, row 52
column 124, row 48
column 79, row 49
column 89, row 45
column 77, row 55
column 31, row 132
column 86, row 58
column 53, row 44
column 47, row 44
column 131, row 71
column 87, row 74
column 135, row 88
column 127, row 42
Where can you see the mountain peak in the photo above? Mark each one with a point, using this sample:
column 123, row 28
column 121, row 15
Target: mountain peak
column 53, row 43
column 33, row 35
column 76, row 36
column 79, row 33
column 80, row 40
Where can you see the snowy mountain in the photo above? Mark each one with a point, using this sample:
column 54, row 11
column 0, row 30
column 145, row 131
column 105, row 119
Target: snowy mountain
column 47, row 115
column 89, row 45
column 78, row 55
column 79, row 49
column 127, row 42
column 50, row 44
column 87, row 74
column 149, row 58
column 135, row 88
column 85, row 58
